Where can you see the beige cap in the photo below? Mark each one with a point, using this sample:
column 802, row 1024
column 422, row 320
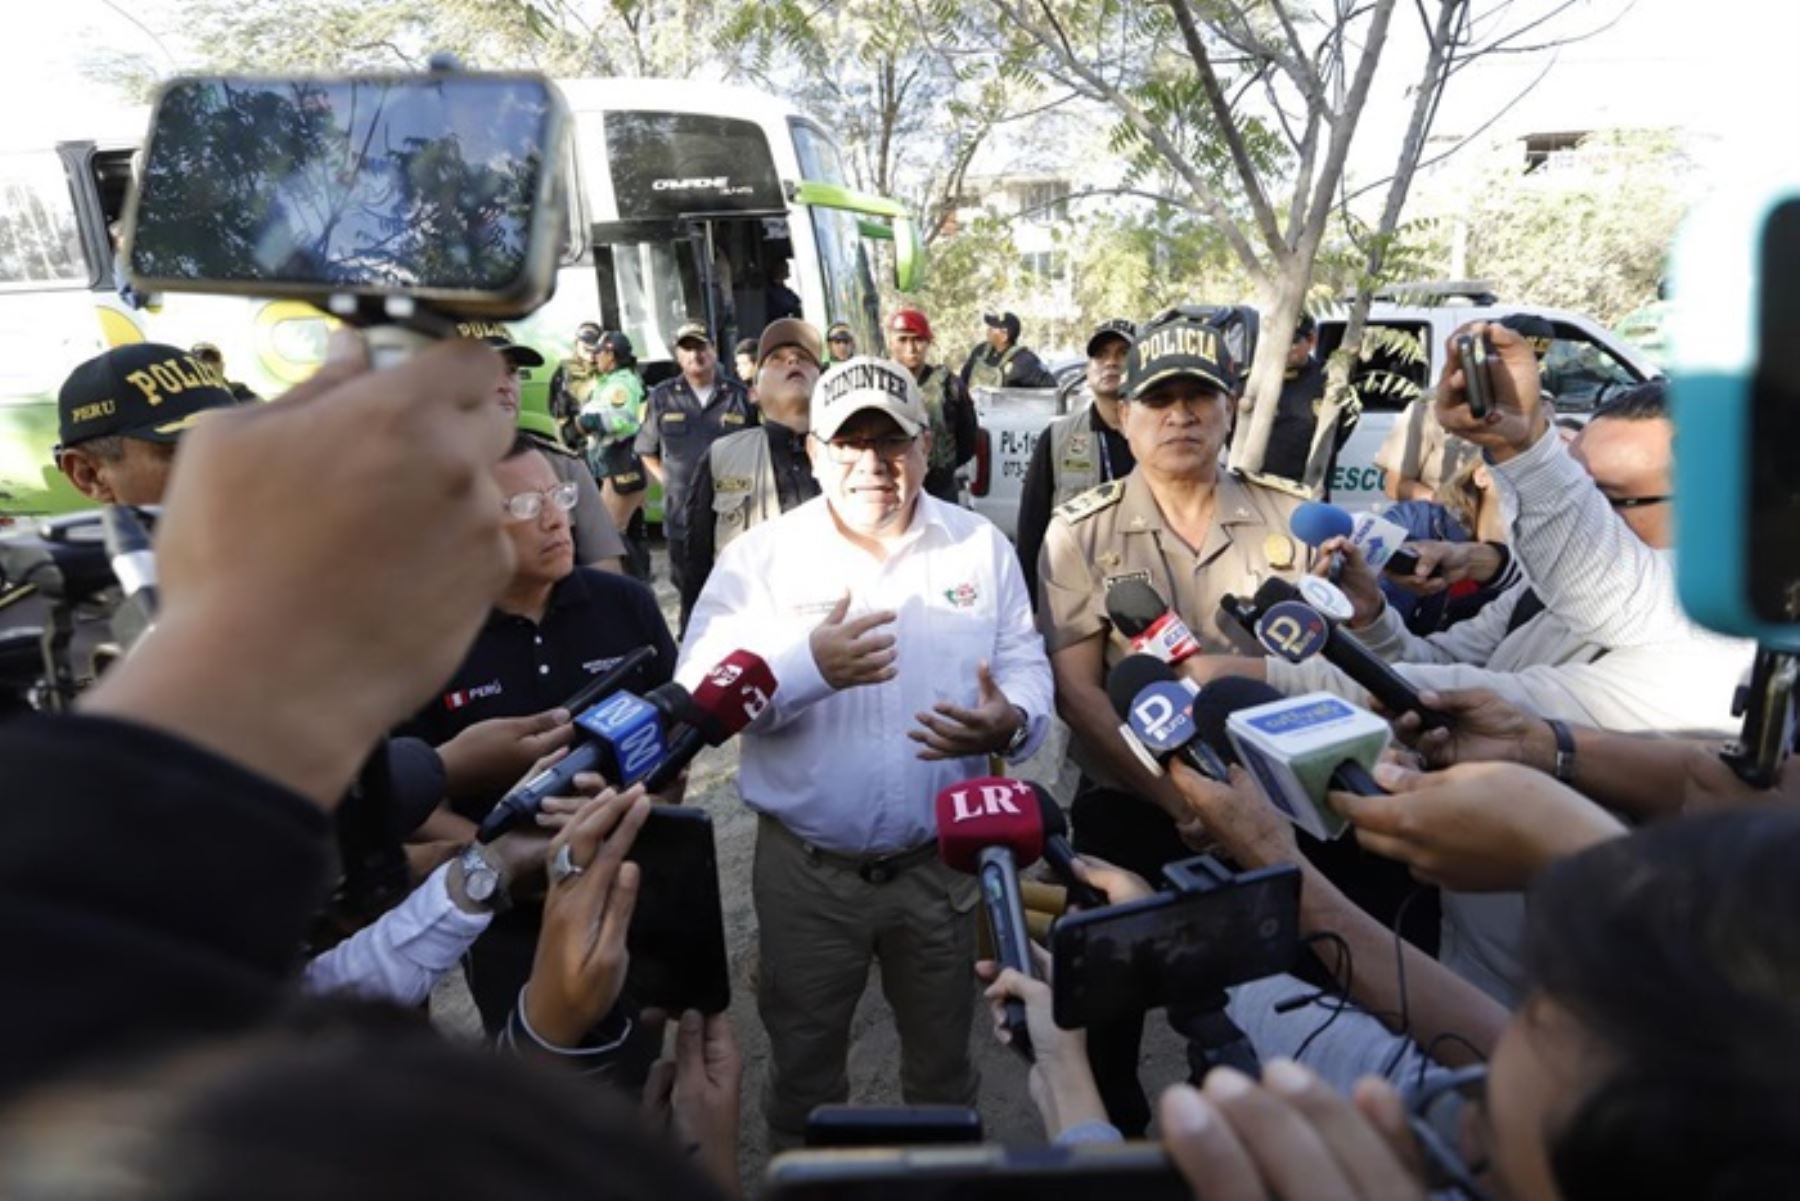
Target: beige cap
column 789, row 331
column 866, row 382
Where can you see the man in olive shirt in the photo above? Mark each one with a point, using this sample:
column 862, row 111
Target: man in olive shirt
column 1080, row 451
column 683, row 417
column 753, row 475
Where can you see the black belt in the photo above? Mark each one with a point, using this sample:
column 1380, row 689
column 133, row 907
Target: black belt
column 874, row 869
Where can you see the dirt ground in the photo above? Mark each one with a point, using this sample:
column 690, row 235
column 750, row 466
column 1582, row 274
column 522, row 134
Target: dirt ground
column 1006, row 1108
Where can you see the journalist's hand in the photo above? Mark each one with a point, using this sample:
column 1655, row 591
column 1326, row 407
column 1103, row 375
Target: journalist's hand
column 1483, row 727
column 953, row 732
column 1517, row 419
column 324, row 562
column 853, row 653
column 555, row 812
column 1238, row 816
column 580, row 964
column 1291, row 1135
column 489, row 757
column 1060, row 1081
column 705, row 1099
column 1477, row 827
column 1118, row 884
column 1357, row 579
column 1442, row 564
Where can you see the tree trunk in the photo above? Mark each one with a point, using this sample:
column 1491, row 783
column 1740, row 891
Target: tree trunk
column 1279, row 310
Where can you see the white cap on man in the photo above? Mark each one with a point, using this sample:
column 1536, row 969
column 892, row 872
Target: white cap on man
column 866, row 382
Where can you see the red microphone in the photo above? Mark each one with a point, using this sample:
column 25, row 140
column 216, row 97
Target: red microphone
column 990, row 828
column 735, row 690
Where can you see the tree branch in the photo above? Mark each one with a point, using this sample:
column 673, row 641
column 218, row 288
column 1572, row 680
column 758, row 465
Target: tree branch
column 1234, row 138
column 1212, row 205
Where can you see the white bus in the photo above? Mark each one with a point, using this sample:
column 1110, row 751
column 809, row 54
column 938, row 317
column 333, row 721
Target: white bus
column 686, row 200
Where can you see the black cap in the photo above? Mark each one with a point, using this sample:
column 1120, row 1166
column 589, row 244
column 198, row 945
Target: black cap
column 501, row 339
column 1006, row 321
column 839, row 331
column 147, row 391
column 589, row 334
column 1305, row 326
column 1176, row 344
column 616, row 342
column 1118, row 328
column 1537, row 331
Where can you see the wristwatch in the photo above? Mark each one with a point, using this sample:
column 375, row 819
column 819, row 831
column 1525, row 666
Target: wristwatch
column 482, row 881
column 1565, row 750
column 1019, row 735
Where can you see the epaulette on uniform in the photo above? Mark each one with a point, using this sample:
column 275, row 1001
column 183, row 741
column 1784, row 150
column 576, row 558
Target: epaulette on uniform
column 1275, row 483
column 1093, row 501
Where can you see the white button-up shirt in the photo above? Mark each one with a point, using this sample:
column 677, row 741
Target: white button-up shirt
column 837, row 768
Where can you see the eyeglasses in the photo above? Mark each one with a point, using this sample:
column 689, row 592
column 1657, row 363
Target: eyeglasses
column 839, row 338
column 1634, row 502
column 847, row 452
column 1436, row 1114
column 526, row 506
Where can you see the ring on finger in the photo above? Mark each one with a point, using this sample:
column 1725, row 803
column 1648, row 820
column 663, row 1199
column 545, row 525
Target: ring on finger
column 563, row 865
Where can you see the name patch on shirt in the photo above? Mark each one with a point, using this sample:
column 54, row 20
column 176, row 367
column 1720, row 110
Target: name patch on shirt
column 732, row 419
column 463, row 696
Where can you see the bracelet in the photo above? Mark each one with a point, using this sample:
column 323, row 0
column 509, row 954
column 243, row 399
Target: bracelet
column 1565, row 749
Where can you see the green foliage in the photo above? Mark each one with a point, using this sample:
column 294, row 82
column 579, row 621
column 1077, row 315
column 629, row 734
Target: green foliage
column 1590, row 233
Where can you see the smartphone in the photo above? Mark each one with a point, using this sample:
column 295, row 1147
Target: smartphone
column 677, row 935
column 1404, row 561
column 891, row 1125
column 1473, row 353
column 1174, row 946
column 1735, row 370
column 441, row 187
column 1115, row 1171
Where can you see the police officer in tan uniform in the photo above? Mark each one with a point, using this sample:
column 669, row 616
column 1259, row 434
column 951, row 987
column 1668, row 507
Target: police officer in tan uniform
column 1195, row 533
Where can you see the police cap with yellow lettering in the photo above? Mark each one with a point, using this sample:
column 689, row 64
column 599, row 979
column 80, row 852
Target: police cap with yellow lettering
column 1176, row 344
column 146, row 391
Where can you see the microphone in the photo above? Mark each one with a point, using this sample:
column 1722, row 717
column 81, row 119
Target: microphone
column 1379, row 539
column 1157, row 708
column 990, row 828
column 1345, row 651
column 730, row 697
column 523, row 801
column 1057, row 852
column 1298, row 748
column 1140, row 613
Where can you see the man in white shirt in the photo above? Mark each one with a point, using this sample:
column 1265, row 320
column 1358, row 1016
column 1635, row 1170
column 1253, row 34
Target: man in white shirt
column 901, row 638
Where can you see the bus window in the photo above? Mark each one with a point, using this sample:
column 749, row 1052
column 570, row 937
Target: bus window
column 39, row 241
column 658, row 288
column 688, row 164
column 818, row 155
column 850, row 294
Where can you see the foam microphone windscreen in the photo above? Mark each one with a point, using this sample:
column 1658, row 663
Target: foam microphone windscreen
column 1314, row 523
column 1049, row 812
column 731, row 695
column 1131, row 675
column 1133, row 606
column 1274, row 590
column 988, row 812
column 1219, row 700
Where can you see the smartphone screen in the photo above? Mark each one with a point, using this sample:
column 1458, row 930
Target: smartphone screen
column 427, row 182
column 1774, row 527
column 1174, row 947
column 1116, row 1172
column 677, row 936
column 891, row 1125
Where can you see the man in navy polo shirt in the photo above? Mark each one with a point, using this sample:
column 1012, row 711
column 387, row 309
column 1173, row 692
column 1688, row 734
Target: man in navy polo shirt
column 556, row 627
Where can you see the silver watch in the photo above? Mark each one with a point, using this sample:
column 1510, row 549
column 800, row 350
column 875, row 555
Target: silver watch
column 481, row 879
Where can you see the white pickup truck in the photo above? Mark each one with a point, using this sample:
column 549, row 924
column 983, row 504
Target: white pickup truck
column 1586, row 361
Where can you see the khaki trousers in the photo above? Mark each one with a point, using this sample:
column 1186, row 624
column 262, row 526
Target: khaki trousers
column 820, row 926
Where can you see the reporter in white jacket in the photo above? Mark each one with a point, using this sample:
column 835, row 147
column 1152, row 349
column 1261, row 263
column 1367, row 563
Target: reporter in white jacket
column 1595, row 634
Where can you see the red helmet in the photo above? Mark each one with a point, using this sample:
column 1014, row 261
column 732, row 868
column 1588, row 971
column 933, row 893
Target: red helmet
column 910, row 321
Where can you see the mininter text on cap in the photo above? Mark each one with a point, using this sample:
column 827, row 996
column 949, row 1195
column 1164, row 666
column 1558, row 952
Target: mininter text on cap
column 866, row 382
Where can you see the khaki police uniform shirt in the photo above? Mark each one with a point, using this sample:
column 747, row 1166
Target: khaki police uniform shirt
column 1117, row 532
column 1418, row 447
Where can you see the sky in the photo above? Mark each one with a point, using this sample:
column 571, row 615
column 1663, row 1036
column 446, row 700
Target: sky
column 1721, row 68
